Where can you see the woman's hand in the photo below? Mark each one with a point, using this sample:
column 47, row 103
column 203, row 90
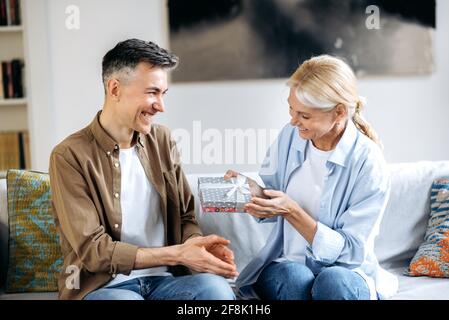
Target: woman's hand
column 282, row 204
column 230, row 174
column 279, row 204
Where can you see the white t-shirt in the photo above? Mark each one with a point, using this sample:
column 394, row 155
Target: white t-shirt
column 305, row 187
column 142, row 222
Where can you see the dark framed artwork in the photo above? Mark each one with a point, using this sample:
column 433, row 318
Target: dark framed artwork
column 265, row 39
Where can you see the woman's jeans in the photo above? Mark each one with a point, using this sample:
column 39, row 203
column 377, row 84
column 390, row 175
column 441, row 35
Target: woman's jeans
column 294, row 281
column 203, row 286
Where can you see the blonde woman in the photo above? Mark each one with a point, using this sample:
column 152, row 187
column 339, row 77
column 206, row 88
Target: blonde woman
column 328, row 187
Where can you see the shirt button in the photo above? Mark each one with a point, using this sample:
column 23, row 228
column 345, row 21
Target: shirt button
column 114, row 275
column 116, row 164
column 116, row 195
column 109, row 153
column 116, row 147
column 116, row 225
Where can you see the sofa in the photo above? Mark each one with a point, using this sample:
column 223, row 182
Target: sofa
column 402, row 230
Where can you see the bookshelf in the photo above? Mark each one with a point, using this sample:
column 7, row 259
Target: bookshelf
column 13, row 102
column 13, row 109
column 4, row 29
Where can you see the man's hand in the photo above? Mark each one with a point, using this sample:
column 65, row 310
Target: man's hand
column 222, row 252
column 208, row 254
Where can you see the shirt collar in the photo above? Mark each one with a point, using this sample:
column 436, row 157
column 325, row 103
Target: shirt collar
column 299, row 144
column 340, row 155
column 343, row 149
column 106, row 142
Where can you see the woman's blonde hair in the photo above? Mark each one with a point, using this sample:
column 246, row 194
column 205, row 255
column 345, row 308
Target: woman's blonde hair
column 324, row 82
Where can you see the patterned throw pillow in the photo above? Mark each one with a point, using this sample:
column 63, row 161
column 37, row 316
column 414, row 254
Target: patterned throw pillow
column 432, row 257
column 35, row 258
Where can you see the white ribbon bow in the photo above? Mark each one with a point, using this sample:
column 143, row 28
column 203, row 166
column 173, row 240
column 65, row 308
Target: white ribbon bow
column 240, row 185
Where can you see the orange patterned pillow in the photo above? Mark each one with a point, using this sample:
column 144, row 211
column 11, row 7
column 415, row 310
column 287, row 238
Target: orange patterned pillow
column 432, row 257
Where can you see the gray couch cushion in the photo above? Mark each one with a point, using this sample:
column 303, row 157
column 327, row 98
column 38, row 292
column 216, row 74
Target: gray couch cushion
column 4, row 232
column 419, row 288
column 405, row 220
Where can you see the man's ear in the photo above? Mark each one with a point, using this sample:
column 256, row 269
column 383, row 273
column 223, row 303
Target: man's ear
column 113, row 89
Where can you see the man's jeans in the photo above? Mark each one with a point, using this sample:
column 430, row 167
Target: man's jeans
column 294, row 281
column 203, row 286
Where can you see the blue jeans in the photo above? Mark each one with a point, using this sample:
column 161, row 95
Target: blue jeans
column 202, row 286
column 294, row 281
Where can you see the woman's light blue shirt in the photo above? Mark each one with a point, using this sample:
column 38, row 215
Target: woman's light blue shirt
column 355, row 194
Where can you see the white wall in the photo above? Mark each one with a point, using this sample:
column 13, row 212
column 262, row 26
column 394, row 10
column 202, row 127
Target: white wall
column 65, row 65
column 409, row 113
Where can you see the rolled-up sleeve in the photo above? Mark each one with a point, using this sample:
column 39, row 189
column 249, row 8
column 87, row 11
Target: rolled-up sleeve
column 327, row 244
column 79, row 221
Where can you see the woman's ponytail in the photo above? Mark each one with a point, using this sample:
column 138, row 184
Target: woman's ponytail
column 363, row 125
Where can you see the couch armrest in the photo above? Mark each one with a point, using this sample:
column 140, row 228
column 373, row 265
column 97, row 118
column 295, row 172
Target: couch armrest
column 4, row 233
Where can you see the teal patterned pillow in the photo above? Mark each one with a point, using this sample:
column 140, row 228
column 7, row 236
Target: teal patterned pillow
column 35, row 258
column 432, row 257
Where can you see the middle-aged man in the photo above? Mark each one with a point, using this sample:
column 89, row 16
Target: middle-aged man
column 122, row 203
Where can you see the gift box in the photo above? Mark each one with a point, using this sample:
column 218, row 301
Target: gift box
column 219, row 195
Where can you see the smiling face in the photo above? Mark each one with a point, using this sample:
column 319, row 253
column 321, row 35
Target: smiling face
column 140, row 97
column 313, row 123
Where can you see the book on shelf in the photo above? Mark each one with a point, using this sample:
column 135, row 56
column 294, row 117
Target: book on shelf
column 2, row 93
column 26, row 150
column 10, row 13
column 12, row 79
column 14, row 150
